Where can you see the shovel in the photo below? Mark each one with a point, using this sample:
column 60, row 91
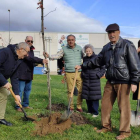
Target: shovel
column 135, row 115
column 68, row 112
column 25, row 115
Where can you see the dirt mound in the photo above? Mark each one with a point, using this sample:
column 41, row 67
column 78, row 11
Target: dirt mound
column 78, row 119
column 57, row 107
column 50, row 124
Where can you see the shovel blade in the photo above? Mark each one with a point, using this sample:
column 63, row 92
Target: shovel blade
column 65, row 116
column 135, row 118
column 26, row 117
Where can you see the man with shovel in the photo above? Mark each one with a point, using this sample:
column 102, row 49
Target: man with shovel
column 122, row 64
column 9, row 62
column 72, row 54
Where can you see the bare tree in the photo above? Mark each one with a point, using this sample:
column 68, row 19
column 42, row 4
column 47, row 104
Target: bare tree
column 48, row 69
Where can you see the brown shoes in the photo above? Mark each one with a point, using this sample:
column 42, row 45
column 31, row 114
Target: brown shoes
column 122, row 137
column 27, row 107
column 19, row 110
column 79, row 110
column 104, row 130
column 71, row 109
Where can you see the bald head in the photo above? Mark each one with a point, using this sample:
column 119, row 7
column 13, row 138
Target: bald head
column 29, row 40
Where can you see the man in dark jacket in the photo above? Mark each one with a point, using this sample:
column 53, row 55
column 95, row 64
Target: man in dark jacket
column 122, row 63
column 25, row 71
column 9, row 62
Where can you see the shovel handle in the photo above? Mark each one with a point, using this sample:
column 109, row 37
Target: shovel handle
column 76, row 72
column 139, row 92
column 15, row 97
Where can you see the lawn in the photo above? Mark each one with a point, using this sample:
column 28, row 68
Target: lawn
column 22, row 130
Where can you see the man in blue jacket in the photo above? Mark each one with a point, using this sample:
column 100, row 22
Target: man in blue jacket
column 25, row 71
column 9, row 61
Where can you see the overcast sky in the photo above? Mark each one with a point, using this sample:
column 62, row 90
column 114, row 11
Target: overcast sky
column 71, row 15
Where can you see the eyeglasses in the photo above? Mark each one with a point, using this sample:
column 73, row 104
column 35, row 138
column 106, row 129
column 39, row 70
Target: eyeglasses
column 30, row 41
column 25, row 51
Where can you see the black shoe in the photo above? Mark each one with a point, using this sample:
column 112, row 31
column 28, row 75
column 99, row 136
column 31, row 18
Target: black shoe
column 3, row 121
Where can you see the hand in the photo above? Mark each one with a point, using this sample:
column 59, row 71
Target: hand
column 133, row 88
column 18, row 99
column 46, row 54
column 7, row 85
column 138, row 50
column 62, row 37
column 77, row 67
column 45, row 61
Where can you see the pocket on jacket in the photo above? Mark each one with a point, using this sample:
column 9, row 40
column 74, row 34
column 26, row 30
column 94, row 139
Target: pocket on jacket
column 121, row 72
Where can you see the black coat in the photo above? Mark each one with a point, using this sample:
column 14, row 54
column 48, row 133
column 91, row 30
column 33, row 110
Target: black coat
column 122, row 62
column 9, row 63
column 25, row 70
column 91, row 89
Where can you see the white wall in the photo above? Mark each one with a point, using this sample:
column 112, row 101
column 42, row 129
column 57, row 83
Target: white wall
column 98, row 40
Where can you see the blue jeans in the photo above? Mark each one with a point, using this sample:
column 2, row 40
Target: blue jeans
column 25, row 89
column 93, row 106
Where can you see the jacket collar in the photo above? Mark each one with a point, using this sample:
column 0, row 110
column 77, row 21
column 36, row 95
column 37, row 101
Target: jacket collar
column 32, row 48
column 13, row 49
column 116, row 45
column 93, row 55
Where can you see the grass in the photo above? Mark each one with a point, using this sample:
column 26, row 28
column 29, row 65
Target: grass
column 22, row 130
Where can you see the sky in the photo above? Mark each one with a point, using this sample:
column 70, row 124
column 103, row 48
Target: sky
column 87, row 16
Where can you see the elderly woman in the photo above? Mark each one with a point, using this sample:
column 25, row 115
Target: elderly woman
column 91, row 90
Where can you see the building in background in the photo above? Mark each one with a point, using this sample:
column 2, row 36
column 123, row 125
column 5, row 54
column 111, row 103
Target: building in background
column 55, row 40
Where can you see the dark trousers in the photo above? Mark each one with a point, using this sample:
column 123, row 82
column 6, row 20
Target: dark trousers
column 121, row 93
column 93, row 106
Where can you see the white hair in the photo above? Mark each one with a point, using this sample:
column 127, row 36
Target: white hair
column 88, row 46
column 22, row 45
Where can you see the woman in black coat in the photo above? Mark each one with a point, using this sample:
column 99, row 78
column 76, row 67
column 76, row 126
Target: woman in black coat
column 91, row 90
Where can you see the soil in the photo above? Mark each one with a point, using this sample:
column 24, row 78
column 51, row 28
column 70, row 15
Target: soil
column 50, row 123
column 57, row 107
column 78, row 119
